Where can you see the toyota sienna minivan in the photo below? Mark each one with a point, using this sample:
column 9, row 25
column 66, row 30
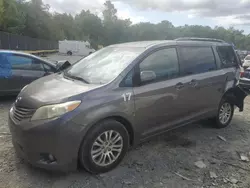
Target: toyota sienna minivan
column 92, row 112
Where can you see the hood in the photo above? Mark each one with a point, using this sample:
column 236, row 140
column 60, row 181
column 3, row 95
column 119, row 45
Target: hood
column 51, row 89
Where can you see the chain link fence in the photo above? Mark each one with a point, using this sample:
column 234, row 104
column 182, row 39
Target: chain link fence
column 17, row 42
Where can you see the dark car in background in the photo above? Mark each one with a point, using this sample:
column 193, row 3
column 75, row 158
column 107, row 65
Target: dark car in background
column 18, row 69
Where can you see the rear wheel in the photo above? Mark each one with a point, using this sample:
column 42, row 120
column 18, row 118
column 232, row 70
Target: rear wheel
column 104, row 147
column 69, row 53
column 225, row 114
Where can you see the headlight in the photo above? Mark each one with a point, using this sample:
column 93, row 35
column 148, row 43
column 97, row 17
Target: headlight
column 52, row 111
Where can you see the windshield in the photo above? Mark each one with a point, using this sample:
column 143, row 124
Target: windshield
column 104, row 65
column 247, row 58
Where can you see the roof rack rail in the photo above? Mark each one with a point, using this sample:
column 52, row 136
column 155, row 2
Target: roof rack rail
column 199, row 39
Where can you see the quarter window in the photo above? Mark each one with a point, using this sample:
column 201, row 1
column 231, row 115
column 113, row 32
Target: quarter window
column 196, row 60
column 128, row 81
column 164, row 63
column 227, row 56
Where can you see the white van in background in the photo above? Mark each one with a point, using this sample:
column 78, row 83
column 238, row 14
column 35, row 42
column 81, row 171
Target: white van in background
column 71, row 47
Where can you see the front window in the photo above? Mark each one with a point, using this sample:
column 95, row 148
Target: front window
column 164, row 63
column 104, row 65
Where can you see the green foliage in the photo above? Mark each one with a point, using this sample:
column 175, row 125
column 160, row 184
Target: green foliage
column 1, row 12
column 33, row 18
column 12, row 19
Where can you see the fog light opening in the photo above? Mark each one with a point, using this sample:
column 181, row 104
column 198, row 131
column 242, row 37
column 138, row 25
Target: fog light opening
column 47, row 157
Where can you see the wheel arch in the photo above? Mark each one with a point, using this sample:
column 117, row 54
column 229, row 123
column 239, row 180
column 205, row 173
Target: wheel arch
column 127, row 124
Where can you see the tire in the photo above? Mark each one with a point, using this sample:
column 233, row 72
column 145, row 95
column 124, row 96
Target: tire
column 69, row 53
column 224, row 104
column 88, row 161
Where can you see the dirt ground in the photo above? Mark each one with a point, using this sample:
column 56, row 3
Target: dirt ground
column 166, row 161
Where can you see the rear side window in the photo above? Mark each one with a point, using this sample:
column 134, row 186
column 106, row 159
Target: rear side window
column 164, row 63
column 227, row 56
column 195, row 60
column 48, row 68
column 20, row 62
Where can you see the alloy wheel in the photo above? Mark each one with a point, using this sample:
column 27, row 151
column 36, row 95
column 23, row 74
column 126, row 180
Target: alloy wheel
column 225, row 113
column 107, row 148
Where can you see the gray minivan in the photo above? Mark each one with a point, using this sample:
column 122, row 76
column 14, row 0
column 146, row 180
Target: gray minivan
column 92, row 112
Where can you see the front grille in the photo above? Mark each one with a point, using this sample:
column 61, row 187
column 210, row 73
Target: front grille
column 20, row 113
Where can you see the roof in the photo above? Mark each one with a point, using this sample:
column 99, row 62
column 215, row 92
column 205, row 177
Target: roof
column 148, row 44
column 199, row 39
column 144, row 44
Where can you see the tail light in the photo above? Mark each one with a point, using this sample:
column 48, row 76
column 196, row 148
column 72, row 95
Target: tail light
column 241, row 74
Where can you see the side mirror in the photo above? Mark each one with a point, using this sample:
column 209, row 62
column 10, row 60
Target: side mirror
column 147, row 76
column 62, row 65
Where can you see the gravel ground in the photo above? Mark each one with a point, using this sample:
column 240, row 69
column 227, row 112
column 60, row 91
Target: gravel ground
column 159, row 162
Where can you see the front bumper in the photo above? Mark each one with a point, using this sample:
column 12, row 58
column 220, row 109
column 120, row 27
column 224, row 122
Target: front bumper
column 33, row 141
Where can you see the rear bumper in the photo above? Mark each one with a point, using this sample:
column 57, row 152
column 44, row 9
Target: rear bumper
column 35, row 141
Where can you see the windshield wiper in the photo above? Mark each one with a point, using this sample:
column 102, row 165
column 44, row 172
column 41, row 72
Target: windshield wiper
column 76, row 77
column 80, row 79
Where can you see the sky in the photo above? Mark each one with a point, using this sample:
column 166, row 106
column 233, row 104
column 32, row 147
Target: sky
column 224, row 13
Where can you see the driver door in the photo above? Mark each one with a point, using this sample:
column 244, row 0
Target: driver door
column 156, row 100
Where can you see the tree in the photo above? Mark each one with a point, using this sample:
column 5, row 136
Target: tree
column 33, row 18
column 109, row 13
column 65, row 24
column 1, row 12
column 90, row 27
column 114, row 28
column 12, row 20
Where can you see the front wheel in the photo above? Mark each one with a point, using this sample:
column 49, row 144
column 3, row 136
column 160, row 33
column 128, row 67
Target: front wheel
column 104, row 147
column 225, row 114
